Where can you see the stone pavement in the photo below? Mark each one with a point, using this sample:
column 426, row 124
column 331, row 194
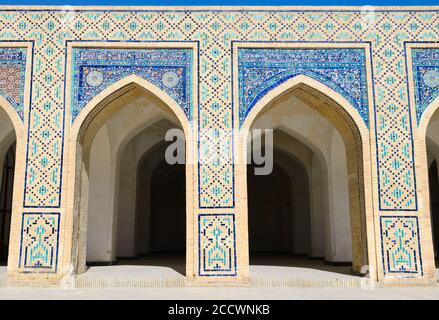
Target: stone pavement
column 307, row 280
column 235, row 293
column 136, row 276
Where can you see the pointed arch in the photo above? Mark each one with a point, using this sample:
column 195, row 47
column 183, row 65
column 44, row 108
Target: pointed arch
column 95, row 113
column 354, row 131
column 305, row 81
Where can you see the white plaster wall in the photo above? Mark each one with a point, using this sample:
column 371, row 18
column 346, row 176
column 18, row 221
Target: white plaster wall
column 100, row 204
column 432, row 139
column 146, row 167
column 432, row 142
column 340, row 224
column 7, row 136
column 143, row 203
column 126, row 204
column 132, row 156
column 300, row 202
column 319, row 208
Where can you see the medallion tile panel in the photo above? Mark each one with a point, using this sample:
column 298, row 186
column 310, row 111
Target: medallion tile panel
column 96, row 69
column 425, row 64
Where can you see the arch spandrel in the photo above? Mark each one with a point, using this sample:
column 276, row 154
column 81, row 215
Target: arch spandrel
column 95, row 69
column 425, row 72
column 342, row 70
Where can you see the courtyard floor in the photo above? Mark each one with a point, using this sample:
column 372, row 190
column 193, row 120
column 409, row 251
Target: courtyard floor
column 161, row 277
column 236, row 293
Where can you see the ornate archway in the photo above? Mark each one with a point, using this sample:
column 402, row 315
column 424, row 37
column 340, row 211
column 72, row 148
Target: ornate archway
column 83, row 131
column 355, row 135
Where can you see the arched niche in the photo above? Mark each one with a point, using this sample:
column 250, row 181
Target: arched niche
column 354, row 135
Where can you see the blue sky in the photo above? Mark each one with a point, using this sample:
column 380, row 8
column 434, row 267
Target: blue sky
column 222, row 2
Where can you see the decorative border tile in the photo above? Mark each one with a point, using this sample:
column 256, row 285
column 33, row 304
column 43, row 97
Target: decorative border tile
column 307, row 25
column 400, row 245
column 217, row 245
column 39, row 242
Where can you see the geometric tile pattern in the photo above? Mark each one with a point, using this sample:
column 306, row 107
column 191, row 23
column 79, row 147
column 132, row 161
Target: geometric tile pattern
column 397, row 189
column 215, row 167
column 39, row 242
column 96, row 69
column 217, row 245
column 400, row 244
column 343, row 70
column 12, row 77
column 425, row 64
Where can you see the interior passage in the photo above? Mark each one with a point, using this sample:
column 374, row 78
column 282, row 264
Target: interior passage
column 279, row 208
